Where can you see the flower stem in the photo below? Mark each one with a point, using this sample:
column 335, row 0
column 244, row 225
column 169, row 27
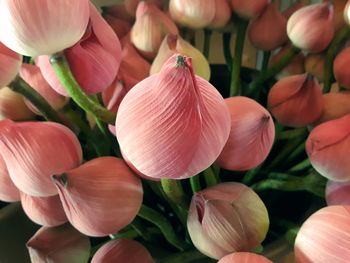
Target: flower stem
column 226, row 40
column 64, row 74
column 301, row 166
column 290, row 134
column 266, row 59
column 195, row 183
column 207, row 38
column 210, row 177
column 174, row 191
column 184, row 257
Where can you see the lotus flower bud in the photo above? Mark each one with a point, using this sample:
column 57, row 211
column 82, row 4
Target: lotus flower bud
column 122, row 250
column 222, row 14
column 226, row 218
column 34, row 151
column 293, row 8
column 327, row 147
column 150, row 27
column 102, row 210
column 338, row 193
column 32, row 28
column 341, row 68
column 94, row 60
column 315, row 65
column 60, row 244
column 173, row 44
column 120, row 27
column 188, row 103
column 45, row 211
column 9, row 65
column 192, row 13
column 268, row 31
column 8, row 191
column 296, row 101
column 249, row 9
column 311, row 27
column 252, row 134
column 12, row 106
column 324, row 236
column 131, row 5
column 347, row 13
column 244, row 257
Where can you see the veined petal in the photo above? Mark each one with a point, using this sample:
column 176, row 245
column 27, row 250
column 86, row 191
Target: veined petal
column 8, row 191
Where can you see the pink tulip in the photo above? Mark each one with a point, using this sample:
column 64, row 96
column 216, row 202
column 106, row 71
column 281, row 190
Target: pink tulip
column 338, row 193
column 42, row 27
column 9, row 65
column 226, row 218
column 172, row 124
column 296, row 101
column 341, row 69
column 131, row 5
column 311, row 27
column 222, row 14
column 60, row 244
column 328, row 149
column 94, row 60
column 249, row 9
column 122, row 250
column 315, row 65
column 120, row 27
column 268, row 31
column 34, row 151
column 252, row 134
column 244, row 257
column 325, row 236
column 45, row 211
column 101, row 196
column 8, row 191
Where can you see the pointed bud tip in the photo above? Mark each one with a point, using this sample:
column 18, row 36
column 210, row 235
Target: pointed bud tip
column 61, row 180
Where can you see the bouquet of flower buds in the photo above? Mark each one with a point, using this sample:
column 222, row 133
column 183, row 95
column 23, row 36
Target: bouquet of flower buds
column 125, row 143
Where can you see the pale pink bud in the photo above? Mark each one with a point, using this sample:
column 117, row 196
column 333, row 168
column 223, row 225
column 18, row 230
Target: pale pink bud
column 222, row 14
column 328, row 149
column 131, row 5
column 120, row 27
column 347, row 13
column 194, row 126
column 315, row 65
column 192, row 13
column 42, row 27
column 252, row 134
column 60, row 244
column 94, row 60
column 249, row 9
column 244, row 257
column 102, row 210
column 9, row 65
column 45, row 211
column 226, row 218
column 293, row 8
column 341, row 68
column 173, row 44
column 311, row 27
column 324, row 236
column 296, row 101
column 8, row 191
column 122, row 250
column 338, row 193
column 268, row 31
column 34, row 151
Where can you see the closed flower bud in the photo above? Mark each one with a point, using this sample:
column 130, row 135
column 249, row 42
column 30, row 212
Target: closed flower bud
column 34, row 151
column 338, row 193
column 226, row 218
column 328, row 146
column 60, row 244
column 102, row 210
column 8, row 191
column 9, row 65
column 120, row 27
column 45, row 211
column 244, row 257
column 173, row 44
column 296, row 101
column 122, row 250
column 311, row 27
column 315, row 65
column 324, row 236
column 268, row 31
column 131, row 5
column 252, row 134
column 249, row 9
column 42, row 27
column 222, row 14
column 347, row 13
column 172, row 124
column 341, row 68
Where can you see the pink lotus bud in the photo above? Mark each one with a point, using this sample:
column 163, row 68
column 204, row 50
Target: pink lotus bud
column 60, row 244
column 347, row 13
column 194, row 126
column 173, row 44
column 122, row 250
column 34, row 151
column 311, row 27
column 338, row 193
column 102, row 210
column 244, row 257
column 268, row 31
column 192, row 13
column 341, row 68
column 120, row 27
column 249, row 9
column 8, row 191
column 296, row 101
column 131, row 5
column 226, row 218
column 252, row 132
column 293, row 8
column 327, row 148
column 315, row 65
column 324, row 236
column 9, row 65
column 42, row 27
column 222, row 14
column 94, row 60
column 45, row 211
column 12, row 106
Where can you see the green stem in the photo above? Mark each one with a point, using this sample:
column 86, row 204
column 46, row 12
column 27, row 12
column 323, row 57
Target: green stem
column 249, row 176
column 174, row 191
column 291, row 134
column 64, row 74
column 140, row 228
column 184, row 257
column 210, row 177
column 266, row 59
column 301, row 166
column 195, row 183
column 21, row 87
column 226, row 40
column 207, row 38
column 291, row 235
